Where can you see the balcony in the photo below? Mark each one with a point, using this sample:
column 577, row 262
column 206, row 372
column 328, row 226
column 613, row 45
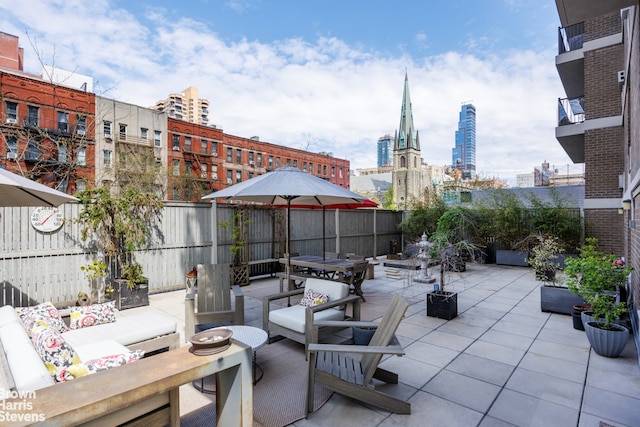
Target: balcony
column 133, row 140
column 571, row 126
column 570, row 59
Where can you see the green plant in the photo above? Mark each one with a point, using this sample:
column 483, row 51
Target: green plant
column 596, row 277
column 95, row 272
column 423, row 218
column 119, row 224
column 237, row 225
column 133, row 273
column 543, row 257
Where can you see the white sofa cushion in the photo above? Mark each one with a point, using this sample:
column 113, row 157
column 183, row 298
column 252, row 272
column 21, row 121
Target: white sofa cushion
column 99, row 349
column 294, row 317
column 7, row 315
column 27, row 368
column 129, row 328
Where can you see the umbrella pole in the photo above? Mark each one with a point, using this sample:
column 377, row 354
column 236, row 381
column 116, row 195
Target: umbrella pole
column 324, row 249
column 288, row 243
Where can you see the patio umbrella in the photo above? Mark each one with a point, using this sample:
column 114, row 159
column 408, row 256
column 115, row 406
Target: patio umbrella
column 16, row 190
column 288, row 186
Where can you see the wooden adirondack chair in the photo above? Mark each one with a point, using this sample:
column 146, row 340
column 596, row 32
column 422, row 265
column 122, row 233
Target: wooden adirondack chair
column 213, row 299
column 332, row 366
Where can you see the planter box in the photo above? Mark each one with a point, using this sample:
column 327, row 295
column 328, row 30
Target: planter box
column 516, row 258
column 129, row 298
column 443, row 305
column 557, row 299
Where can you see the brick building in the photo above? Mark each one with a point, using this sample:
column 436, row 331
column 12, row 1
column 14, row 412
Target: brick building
column 73, row 139
column 46, row 129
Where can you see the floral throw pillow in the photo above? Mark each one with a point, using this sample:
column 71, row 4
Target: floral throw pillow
column 45, row 312
column 91, row 315
column 102, row 364
column 312, row 298
column 54, row 351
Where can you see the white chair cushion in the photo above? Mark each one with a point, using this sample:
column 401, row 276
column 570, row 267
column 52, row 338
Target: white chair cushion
column 27, row 368
column 334, row 290
column 294, row 317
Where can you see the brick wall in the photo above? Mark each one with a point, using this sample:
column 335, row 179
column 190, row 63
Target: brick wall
column 604, row 161
column 602, row 26
column 607, row 226
column 601, row 88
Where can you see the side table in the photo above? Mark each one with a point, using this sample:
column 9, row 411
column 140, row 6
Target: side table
column 254, row 337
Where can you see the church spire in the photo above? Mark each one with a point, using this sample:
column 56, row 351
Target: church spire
column 407, row 136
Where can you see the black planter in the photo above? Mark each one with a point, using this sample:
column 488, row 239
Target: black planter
column 126, row 297
column 577, row 316
column 557, row 299
column 516, row 258
column 443, row 305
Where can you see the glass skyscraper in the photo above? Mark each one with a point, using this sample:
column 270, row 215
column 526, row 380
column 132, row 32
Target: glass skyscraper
column 385, row 151
column 463, row 155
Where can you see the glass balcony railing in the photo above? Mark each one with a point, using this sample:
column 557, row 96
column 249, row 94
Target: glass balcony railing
column 570, row 111
column 570, row 38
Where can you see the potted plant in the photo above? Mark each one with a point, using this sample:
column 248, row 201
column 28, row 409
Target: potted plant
column 119, row 225
column 598, row 278
column 543, row 257
column 451, row 248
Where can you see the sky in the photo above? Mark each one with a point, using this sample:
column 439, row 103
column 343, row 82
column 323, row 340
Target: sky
column 323, row 75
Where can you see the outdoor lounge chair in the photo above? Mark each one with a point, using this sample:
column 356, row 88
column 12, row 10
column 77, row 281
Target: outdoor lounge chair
column 334, row 367
column 356, row 277
column 213, row 294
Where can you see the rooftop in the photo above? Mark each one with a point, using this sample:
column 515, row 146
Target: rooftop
column 500, row 362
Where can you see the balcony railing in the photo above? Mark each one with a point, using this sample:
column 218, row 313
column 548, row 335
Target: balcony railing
column 570, row 38
column 570, row 111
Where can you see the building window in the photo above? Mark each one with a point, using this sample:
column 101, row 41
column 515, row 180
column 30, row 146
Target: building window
column 203, row 146
column 277, row 162
column 81, row 125
column 106, row 158
column 259, row 160
column 176, row 167
column 187, row 143
column 324, row 170
column 106, row 126
column 295, row 163
column 403, row 162
column 203, row 171
column 176, row 142
column 238, row 156
column 11, row 112
column 310, row 167
column 12, row 147
column 33, row 116
column 340, row 172
column 214, row 172
column 333, row 172
column 82, row 156
column 157, row 138
column 304, row 166
column 229, row 177
column 251, row 160
column 187, row 168
column 319, row 169
column 214, row 148
column 33, row 152
column 270, row 162
column 144, row 133
column 288, row 162
column 62, row 154
column 122, row 129
column 238, row 176
column 230, row 155
column 81, row 185
column 63, row 121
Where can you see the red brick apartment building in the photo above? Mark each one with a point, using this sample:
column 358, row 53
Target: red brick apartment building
column 599, row 64
column 50, row 131
column 46, row 129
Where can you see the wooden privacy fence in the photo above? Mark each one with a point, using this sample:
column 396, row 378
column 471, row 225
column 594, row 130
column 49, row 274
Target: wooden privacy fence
column 37, row 267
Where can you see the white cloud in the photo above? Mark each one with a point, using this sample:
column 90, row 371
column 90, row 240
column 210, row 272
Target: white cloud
column 295, row 90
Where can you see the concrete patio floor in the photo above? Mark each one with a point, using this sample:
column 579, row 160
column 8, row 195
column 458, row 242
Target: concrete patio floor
column 501, row 362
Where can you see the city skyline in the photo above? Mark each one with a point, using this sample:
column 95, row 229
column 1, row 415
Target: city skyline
column 322, row 75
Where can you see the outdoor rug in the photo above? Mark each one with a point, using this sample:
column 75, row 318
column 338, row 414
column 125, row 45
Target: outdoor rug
column 278, row 399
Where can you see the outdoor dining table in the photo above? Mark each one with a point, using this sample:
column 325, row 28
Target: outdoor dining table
column 326, row 266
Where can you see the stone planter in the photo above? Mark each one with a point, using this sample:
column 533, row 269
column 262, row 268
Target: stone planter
column 126, row 297
column 558, row 299
column 443, row 305
column 607, row 342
